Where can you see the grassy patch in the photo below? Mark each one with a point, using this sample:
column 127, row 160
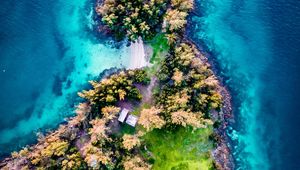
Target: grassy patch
column 180, row 149
column 160, row 45
column 137, row 110
column 127, row 129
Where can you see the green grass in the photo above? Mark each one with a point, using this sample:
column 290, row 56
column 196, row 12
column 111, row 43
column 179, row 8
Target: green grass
column 180, row 149
column 160, row 45
column 126, row 129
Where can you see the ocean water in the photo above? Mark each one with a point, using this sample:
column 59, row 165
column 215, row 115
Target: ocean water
column 255, row 44
column 48, row 52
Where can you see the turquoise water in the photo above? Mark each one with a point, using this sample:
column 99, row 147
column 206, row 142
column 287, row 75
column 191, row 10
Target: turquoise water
column 255, row 45
column 48, row 53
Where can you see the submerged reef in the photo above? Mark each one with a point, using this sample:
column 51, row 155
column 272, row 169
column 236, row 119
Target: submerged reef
column 169, row 114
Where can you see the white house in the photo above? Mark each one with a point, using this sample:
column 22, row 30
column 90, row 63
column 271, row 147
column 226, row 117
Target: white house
column 131, row 120
column 123, row 115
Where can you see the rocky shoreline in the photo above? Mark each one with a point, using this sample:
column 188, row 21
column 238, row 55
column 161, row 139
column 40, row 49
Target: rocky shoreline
column 222, row 153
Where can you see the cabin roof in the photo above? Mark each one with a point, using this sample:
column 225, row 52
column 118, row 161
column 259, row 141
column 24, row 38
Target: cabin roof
column 123, row 115
column 132, row 120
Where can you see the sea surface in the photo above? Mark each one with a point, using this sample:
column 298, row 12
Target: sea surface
column 48, row 51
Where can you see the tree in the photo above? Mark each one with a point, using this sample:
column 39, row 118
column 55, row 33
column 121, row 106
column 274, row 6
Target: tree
column 110, row 112
column 50, row 147
column 72, row 161
column 184, row 5
column 95, row 157
column 174, row 102
column 177, row 77
column 57, row 148
column 175, row 19
column 122, row 94
column 130, row 141
column 81, row 114
column 185, row 118
column 211, row 81
column 216, row 100
column 114, row 88
column 150, row 119
column 171, row 38
column 184, row 54
column 135, row 163
column 98, row 130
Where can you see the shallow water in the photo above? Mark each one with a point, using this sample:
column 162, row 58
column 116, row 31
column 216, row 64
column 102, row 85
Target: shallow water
column 47, row 54
column 256, row 45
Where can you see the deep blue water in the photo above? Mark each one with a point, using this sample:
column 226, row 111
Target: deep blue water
column 255, row 44
column 47, row 54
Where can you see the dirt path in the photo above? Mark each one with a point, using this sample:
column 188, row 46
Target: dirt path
column 147, row 93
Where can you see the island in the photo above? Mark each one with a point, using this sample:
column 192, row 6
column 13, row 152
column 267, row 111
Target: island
column 167, row 111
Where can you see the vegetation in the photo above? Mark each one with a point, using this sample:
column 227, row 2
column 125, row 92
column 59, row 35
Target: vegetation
column 115, row 88
column 150, row 119
column 187, row 83
column 159, row 45
column 144, row 18
column 135, row 163
column 180, row 148
column 132, row 18
column 130, row 141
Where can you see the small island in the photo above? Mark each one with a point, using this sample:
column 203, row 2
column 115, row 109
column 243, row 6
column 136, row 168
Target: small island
column 165, row 112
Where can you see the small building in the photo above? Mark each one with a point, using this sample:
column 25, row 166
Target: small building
column 131, row 120
column 123, row 115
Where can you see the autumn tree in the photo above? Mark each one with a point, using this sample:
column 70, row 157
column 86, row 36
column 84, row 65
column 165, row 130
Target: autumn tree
column 175, row 20
column 177, row 77
column 81, row 111
column 193, row 90
column 98, row 131
column 135, row 163
column 95, row 157
column 72, row 161
column 183, row 5
column 171, row 38
column 52, row 147
column 185, row 118
column 110, row 112
column 184, row 54
column 150, row 119
column 174, row 101
column 130, row 141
